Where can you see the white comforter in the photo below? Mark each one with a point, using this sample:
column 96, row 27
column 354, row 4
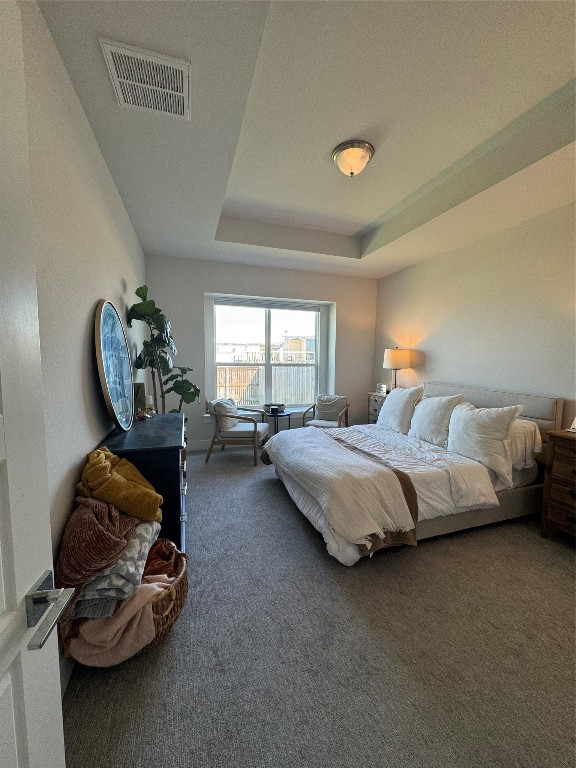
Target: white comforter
column 445, row 482
column 334, row 466
column 358, row 496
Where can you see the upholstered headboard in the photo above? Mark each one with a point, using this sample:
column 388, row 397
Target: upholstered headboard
column 545, row 411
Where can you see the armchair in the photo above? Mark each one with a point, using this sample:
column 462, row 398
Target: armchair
column 234, row 428
column 327, row 412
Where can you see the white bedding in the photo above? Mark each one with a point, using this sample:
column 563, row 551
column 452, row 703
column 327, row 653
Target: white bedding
column 344, row 551
column 359, row 497
column 444, row 482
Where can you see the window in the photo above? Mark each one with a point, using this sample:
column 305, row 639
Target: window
column 266, row 350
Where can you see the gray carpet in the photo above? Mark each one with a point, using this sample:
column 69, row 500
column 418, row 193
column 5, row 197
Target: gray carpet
column 455, row 654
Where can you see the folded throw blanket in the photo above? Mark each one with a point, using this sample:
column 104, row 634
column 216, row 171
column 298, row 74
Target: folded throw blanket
column 120, row 580
column 118, row 482
column 95, row 536
column 106, row 642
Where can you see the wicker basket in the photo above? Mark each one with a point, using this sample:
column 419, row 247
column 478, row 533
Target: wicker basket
column 167, row 606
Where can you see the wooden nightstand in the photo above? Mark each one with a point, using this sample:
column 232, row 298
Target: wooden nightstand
column 559, row 510
column 375, row 400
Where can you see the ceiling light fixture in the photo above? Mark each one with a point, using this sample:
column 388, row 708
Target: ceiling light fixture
column 352, row 156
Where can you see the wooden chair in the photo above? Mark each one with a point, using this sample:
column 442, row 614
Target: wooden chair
column 232, row 427
column 327, row 412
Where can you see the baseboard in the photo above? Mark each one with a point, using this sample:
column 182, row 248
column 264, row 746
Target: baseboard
column 66, row 669
column 197, row 445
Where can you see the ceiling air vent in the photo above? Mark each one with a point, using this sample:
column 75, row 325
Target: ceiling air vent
column 148, row 80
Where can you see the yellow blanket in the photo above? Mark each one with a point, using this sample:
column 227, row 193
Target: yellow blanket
column 117, row 481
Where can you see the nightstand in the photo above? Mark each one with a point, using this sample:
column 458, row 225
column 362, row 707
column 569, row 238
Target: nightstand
column 559, row 510
column 375, row 400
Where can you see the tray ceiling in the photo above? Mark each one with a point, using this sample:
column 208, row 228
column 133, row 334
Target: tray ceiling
column 469, row 105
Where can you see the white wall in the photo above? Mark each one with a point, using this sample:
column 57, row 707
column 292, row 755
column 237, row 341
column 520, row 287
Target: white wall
column 498, row 313
column 178, row 287
column 87, row 251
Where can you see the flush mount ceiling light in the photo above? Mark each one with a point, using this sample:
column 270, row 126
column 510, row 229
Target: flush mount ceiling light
column 352, row 156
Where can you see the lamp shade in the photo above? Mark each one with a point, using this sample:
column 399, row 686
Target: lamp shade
column 396, row 359
column 352, row 156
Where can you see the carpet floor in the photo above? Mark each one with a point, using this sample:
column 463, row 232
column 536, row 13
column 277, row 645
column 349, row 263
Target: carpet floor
column 458, row 653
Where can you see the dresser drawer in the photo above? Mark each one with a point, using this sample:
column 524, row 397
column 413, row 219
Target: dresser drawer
column 563, row 468
column 374, row 404
column 563, row 494
column 562, row 517
column 565, row 450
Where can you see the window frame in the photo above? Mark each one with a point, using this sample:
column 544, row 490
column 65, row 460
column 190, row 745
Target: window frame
column 325, row 339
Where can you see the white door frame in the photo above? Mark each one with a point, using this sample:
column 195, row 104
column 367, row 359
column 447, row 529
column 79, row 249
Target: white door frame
column 31, row 734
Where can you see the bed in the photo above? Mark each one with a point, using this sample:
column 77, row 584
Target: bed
column 368, row 487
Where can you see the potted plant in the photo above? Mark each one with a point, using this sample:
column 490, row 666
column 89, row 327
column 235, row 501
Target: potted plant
column 157, row 352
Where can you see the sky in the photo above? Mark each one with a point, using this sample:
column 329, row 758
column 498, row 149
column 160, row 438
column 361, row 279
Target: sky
column 244, row 325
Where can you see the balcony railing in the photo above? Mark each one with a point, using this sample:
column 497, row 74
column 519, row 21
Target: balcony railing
column 245, row 385
column 293, row 385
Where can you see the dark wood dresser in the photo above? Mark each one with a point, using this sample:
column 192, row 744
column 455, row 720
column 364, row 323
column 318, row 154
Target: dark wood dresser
column 559, row 511
column 156, row 447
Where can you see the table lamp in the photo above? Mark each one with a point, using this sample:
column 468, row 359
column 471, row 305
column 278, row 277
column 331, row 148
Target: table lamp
column 396, row 359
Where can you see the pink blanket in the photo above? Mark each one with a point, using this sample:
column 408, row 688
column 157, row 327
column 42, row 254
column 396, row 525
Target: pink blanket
column 110, row 641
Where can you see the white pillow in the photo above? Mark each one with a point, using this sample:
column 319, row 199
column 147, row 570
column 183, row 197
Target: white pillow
column 398, row 407
column 227, row 407
column 431, row 418
column 482, row 434
column 525, row 443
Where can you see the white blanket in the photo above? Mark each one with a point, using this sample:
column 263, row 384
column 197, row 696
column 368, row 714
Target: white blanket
column 348, row 478
column 358, row 496
column 445, row 482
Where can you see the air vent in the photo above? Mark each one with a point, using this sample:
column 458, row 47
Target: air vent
column 148, row 80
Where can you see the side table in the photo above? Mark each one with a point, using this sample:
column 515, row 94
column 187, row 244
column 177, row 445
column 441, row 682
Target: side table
column 375, row 400
column 287, row 412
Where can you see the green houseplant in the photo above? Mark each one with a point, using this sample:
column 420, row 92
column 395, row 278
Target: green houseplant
column 157, row 352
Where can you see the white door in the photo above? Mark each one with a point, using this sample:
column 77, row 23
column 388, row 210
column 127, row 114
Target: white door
column 30, row 700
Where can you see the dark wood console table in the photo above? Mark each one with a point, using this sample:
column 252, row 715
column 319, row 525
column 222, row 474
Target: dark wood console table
column 156, row 447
